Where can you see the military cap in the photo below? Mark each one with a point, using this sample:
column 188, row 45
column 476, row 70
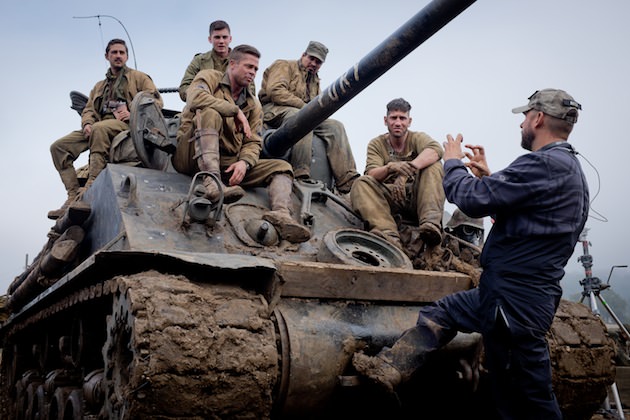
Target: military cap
column 554, row 102
column 317, row 50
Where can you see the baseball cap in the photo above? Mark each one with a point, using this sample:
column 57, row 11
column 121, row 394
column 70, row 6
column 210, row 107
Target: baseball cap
column 317, row 50
column 554, row 102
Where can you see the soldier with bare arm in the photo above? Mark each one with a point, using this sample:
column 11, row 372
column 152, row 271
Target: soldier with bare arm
column 403, row 175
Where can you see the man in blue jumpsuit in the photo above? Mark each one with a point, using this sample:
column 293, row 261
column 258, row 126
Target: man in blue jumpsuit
column 540, row 205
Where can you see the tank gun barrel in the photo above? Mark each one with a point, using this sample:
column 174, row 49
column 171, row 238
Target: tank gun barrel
column 397, row 46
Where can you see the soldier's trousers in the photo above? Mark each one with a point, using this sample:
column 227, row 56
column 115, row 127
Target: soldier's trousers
column 68, row 148
column 332, row 133
column 184, row 158
column 375, row 202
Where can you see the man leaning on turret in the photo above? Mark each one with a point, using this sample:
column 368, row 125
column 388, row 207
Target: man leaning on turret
column 287, row 86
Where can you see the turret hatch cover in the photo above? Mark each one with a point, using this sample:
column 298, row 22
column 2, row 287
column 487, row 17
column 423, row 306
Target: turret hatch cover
column 149, row 132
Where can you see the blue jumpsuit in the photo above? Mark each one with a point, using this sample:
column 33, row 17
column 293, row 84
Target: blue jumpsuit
column 539, row 204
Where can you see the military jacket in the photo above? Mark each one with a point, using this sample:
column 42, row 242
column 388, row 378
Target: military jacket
column 137, row 82
column 202, row 61
column 284, row 83
column 380, row 153
column 211, row 88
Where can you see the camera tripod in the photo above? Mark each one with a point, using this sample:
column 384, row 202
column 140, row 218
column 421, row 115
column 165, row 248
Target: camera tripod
column 592, row 288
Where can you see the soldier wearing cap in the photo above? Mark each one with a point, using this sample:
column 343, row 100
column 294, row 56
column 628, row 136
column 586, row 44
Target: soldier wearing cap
column 287, row 86
column 540, row 205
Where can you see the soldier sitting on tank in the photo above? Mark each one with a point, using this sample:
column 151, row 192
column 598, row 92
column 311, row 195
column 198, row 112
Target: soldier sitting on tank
column 403, row 173
column 105, row 115
column 287, row 86
column 220, row 134
column 217, row 58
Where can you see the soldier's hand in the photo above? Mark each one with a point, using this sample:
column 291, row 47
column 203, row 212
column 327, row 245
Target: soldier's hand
column 87, row 131
column 401, row 168
column 238, row 169
column 122, row 113
column 242, row 124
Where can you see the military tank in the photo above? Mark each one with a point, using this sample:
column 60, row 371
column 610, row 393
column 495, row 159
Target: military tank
column 148, row 301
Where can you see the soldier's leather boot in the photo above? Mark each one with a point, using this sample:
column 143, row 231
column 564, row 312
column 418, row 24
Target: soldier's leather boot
column 430, row 233
column 390, row 236
column 98, row 162
column 208, row 159
column 280, row 214
column 377, row 371
column 71, row 182
column 394, row 365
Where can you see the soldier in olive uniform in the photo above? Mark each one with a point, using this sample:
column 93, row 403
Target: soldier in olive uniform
column 220, row 133
column 287, row 86
column 105, row 115
column 403, row 173
column 217, row 58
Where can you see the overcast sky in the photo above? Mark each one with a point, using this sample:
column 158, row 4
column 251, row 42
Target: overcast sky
column 466, row 79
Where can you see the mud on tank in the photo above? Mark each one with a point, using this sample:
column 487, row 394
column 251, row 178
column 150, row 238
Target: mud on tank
column 149, row 302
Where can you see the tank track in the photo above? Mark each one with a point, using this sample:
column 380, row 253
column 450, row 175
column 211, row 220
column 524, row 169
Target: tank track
column 582, row 356
column 172, row 349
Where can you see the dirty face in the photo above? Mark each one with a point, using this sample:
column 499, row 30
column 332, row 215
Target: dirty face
column 220, row 40
column 244, row 71
column 310, row 63
column 397, row 123
column 117, row 57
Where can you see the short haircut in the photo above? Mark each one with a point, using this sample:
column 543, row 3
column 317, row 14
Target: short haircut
column 398, row 104
column 239, row 51
column 217, row 25
column 559, row 127
column 116, row 41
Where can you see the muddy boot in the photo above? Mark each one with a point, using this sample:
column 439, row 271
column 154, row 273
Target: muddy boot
column 208, row 158
column 230, row 193
column 377, row 371
column 394, row 365
column 71, row 182
column 390, row 236
column 96, row 166
column 430, row 234
column 280, row 214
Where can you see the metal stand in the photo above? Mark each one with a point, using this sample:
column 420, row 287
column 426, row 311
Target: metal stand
column 592, row 288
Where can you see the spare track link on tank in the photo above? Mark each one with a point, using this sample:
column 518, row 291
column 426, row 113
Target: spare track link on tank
column 173, row 349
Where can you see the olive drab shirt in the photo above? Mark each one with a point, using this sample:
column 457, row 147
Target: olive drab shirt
column 212, row 89
column 136, row 82
column 380, row 153
column 202, row 61
column 285, row 83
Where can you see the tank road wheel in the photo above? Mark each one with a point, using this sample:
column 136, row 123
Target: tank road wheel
column 357, row 247
column 582, row 358
column 179, row 349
